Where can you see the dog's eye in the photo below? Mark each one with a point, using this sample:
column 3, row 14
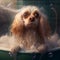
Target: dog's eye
column 26, row 14
column 36, row 14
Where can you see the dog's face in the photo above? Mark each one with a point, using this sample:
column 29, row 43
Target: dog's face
column 30, row 16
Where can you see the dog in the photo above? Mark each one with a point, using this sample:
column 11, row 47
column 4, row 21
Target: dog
column 30, row 29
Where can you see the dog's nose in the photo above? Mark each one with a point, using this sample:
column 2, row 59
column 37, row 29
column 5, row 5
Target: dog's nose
column 32, row 19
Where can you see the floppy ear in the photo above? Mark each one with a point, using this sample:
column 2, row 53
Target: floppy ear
column 17, row 26
column 46, row 30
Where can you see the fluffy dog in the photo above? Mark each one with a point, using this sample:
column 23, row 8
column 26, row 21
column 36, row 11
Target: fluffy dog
column 30, row 29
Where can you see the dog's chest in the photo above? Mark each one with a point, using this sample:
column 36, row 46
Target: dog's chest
column 30, row 38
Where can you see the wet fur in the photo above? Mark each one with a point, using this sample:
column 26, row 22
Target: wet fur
column 30, row 38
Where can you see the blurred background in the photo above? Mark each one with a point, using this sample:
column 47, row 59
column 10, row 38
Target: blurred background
column 46, row 4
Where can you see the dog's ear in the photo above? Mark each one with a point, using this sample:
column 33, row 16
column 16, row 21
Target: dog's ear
column 45, row 27
column 17, row 26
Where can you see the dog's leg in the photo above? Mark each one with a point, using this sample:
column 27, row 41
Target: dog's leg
column 42, row 48
column 14, row 52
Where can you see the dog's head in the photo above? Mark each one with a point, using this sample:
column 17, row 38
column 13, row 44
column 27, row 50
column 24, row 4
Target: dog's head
column 30, row 17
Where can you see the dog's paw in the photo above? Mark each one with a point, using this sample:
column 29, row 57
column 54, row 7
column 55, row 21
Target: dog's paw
column 42, row 48
column 14, row 51
column 11, row 54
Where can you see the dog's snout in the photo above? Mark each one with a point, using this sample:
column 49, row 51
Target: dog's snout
column 32, row 19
